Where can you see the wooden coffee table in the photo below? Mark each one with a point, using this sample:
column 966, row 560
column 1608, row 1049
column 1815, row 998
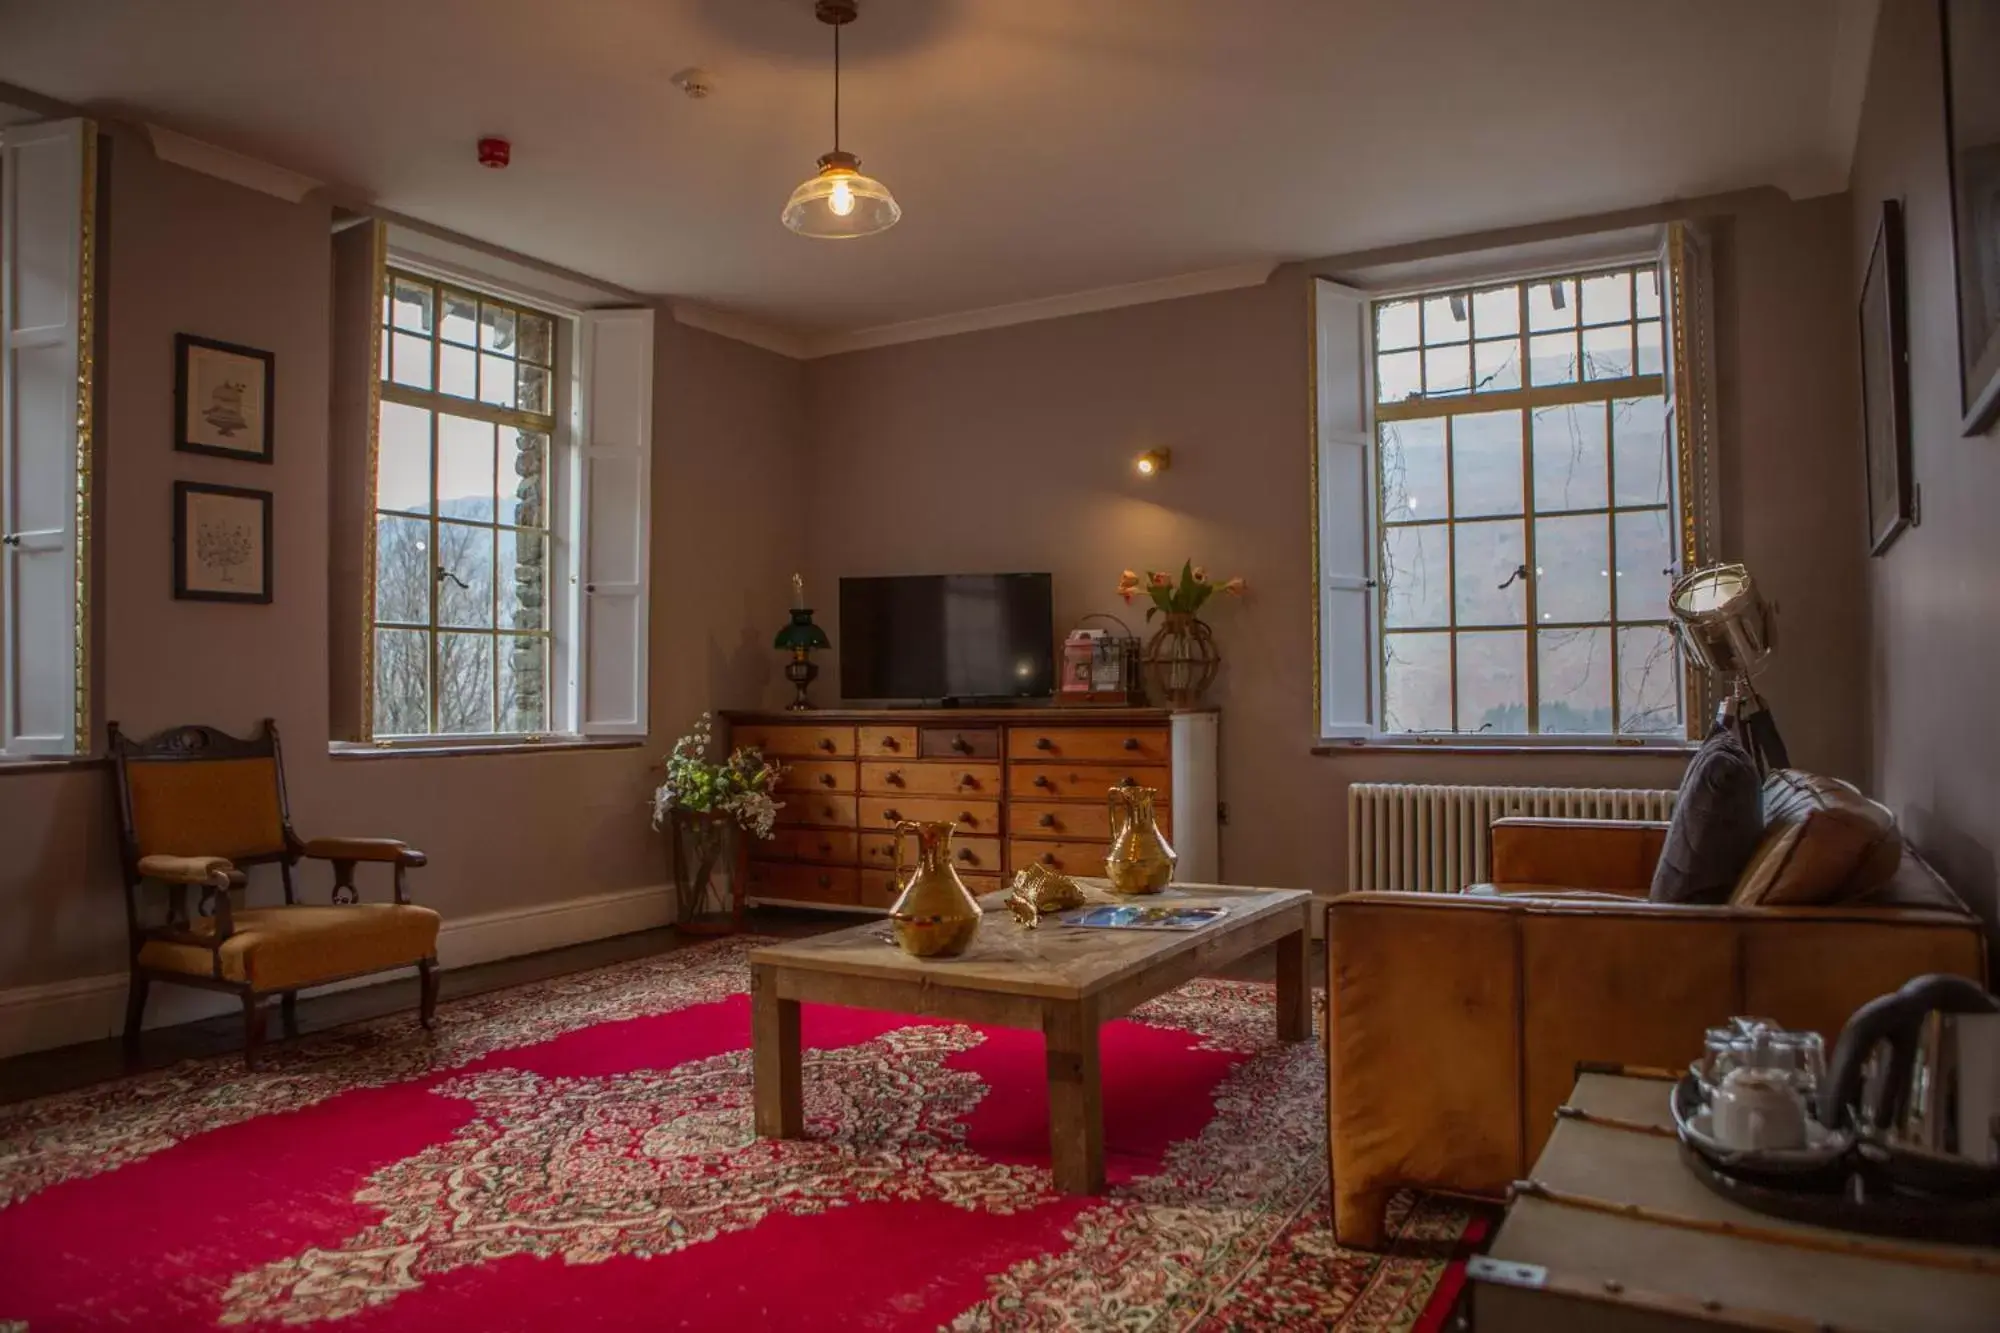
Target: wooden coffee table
column 1063, row 981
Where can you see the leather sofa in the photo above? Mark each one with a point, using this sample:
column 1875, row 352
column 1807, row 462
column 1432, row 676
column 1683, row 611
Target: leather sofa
column 1455, row 1022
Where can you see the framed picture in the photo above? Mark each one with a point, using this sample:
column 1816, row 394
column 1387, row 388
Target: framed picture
column 1972, row 150
column 1885, row 384
column 222, row 543
column 222, row 399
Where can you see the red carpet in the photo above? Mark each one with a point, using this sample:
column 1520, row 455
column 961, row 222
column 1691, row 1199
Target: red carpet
column 578, row 1155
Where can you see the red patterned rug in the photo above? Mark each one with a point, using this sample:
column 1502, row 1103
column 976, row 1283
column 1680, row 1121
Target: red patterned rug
column 578, row 1155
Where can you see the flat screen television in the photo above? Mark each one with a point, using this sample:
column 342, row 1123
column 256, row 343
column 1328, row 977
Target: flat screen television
column 947, row 638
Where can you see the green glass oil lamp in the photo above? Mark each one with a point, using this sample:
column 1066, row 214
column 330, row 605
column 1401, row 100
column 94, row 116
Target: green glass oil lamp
column 801, row 638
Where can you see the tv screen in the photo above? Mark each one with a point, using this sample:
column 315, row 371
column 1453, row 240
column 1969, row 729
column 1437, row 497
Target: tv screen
column 947, row 637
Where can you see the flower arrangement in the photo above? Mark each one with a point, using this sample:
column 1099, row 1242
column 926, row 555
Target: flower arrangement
column 1176, row 597
column 739, row 787
column 1181, row 658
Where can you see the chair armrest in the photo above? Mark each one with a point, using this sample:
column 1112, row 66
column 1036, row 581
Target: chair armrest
column 387, row 850
column 215, row 871
column 1606, row 855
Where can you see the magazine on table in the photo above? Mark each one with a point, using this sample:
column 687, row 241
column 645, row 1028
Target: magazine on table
column 1143, row 916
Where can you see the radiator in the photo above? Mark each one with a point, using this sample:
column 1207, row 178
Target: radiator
column 1425, row 838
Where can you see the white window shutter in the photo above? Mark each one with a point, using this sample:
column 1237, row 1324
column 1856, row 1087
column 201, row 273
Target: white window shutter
column 1347, row 685
column 44, row 188
column 617, row 529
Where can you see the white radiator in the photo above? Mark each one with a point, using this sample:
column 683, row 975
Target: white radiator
column 1425, row 838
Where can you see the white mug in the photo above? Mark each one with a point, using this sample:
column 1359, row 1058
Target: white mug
column 1757, row 1109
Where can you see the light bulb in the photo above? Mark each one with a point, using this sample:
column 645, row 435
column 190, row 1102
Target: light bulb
column 1146, row 467
column 841, row 201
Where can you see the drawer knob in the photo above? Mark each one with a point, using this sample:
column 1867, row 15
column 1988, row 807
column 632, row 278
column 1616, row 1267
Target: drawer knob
column 1048, row 858
column 966, row 818
column 1131, row 742
column 826, row 849
column 826, row 779
column 1128, row 781
column 826, row 881
column 967, row 855
column 894, row 777
column 828, row 811
column 1044, row 743
column 961, row 745
column 1042, row 780
column 892, row 815
column 891, row 743
column 826, row 744
column 967, row 780
column 1047, row 821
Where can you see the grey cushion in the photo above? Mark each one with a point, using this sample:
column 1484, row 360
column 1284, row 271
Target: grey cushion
column 1717, row 823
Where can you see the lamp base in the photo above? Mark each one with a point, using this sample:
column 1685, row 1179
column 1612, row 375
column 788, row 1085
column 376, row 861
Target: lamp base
column 1745, row 713
column 802, row 672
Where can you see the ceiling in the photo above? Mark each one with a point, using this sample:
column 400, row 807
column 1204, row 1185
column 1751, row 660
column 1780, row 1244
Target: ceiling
column 1038, row 147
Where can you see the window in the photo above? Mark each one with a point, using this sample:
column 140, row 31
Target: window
column 1502, row 511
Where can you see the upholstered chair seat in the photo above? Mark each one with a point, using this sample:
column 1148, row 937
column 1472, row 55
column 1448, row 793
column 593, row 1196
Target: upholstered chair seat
column 283, row 948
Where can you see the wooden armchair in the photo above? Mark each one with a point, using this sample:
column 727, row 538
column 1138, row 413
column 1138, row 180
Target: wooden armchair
column 195, row 806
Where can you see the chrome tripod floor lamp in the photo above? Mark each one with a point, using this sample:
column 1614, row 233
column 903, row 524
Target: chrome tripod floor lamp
column 1724, row 626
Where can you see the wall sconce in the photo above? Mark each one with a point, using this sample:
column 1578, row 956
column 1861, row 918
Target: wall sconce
column 1153, row 462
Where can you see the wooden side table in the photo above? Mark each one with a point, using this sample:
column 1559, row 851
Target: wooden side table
column 1614, row 1234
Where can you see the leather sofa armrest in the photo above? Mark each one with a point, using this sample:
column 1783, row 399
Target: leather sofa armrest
column 1606, row 855
column 387, row 850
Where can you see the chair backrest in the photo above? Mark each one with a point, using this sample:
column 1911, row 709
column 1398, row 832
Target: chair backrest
column 196, row 791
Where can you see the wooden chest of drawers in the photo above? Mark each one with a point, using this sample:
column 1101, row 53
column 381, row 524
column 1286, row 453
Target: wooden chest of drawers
column 1023, row 785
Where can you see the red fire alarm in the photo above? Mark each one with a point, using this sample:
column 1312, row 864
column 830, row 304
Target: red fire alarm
column 495, row 153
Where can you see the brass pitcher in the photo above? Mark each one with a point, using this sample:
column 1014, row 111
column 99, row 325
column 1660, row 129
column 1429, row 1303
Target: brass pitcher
column 1140, row 860
column 935, row 916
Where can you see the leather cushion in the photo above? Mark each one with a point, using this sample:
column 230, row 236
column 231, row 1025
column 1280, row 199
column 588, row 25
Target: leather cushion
column 280, row 948
column 1824, row 842
column 1717, row 822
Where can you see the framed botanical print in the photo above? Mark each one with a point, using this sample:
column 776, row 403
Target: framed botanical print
column 1885, row 384
column 222, row 543
column 222, row 399
column 1972, row 148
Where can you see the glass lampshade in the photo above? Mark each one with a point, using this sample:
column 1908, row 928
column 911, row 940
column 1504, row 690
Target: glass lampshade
column 841, row 202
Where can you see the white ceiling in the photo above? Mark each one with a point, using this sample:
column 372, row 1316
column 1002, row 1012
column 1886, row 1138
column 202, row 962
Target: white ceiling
column 1038, row 147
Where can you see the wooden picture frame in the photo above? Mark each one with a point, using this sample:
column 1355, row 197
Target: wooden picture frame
column 222, row 543
column 1885, row 385
column 1970, row 33
column 223, row 396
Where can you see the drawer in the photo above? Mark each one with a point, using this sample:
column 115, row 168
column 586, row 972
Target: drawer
column 1072, row 858
column 1066, row 820
column 958, row 743
column 1065, row 782
column 968, row 855
column 879, row 887
column 837, row 846
column 973, row 817
column 817, row 811
column 818, row 775
column 804, row 883
column 1130, row 745
column 786, row 741
column 931, row 778
column 894, row 742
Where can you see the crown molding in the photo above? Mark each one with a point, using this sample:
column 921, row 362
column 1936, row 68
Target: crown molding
column 743, row 329
column 251, row 173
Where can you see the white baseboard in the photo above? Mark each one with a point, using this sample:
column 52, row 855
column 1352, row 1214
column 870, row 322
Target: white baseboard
column 62, row 1013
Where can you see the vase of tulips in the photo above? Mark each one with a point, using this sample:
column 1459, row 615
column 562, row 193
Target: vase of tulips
column 1181, row 657
column 705, row 805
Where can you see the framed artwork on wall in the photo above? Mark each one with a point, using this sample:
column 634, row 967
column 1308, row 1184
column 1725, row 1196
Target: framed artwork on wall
column 222, row 399
column 1885, row 385
column 222, row 543
column 1972, row 148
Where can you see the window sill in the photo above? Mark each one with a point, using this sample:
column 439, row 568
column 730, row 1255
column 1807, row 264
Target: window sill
column 1658, row 749
column 52, row 763
column 427, row 749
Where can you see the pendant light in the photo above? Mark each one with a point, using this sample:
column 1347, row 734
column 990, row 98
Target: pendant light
column 840, row 202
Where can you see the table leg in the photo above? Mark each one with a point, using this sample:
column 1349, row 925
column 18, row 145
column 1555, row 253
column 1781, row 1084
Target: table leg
column 1295, row 1021
column 1076, row 1099
column 774, row 1045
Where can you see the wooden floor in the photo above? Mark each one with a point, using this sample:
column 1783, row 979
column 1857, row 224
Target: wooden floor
column 68, row 1067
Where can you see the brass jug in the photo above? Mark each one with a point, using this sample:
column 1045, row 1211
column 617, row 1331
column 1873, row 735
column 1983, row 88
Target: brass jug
column 935, row 916
column 1140, row 860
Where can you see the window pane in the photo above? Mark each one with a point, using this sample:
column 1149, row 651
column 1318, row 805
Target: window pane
column 1486, row 464
column 1551, row 305
column 523, row 684
column 458, row 371
column 1416, row 682
column 412, row 363
column 1447, row 369
column 1396, row 325
column 465, row 468
column 1552, row 358
column 1445, row 319
column 1573, row 569
column 1647, row 284
column 1649, row 682
column 1607, row 298
column 403, row 570
column 1572, row 457
column 1399, row 375
column 537, row 340
column 1490, row 555
column 403, row 458
column 465, row 683
column 1413, row 476
column 1649, row 361
column 402, row 682
column 1416, row 576
column 533, row 393
column 521, row 565
column 464, row 576
column 461, row 318
column 1607, row 353
column 1496, row 312
column 410, row 304
column 1496, row 365
column 1639, row 451
column 1493, row 682
column 1645, row 548
column 1574, row 679
column 496, row 328
column 524, row 465
column 496, row 380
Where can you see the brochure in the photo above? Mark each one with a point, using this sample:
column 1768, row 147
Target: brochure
column 1136, row 916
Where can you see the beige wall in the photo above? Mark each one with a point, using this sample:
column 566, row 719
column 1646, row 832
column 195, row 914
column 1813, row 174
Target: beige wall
column 188, row 253
column 1935, row 594
column 1010, row 449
